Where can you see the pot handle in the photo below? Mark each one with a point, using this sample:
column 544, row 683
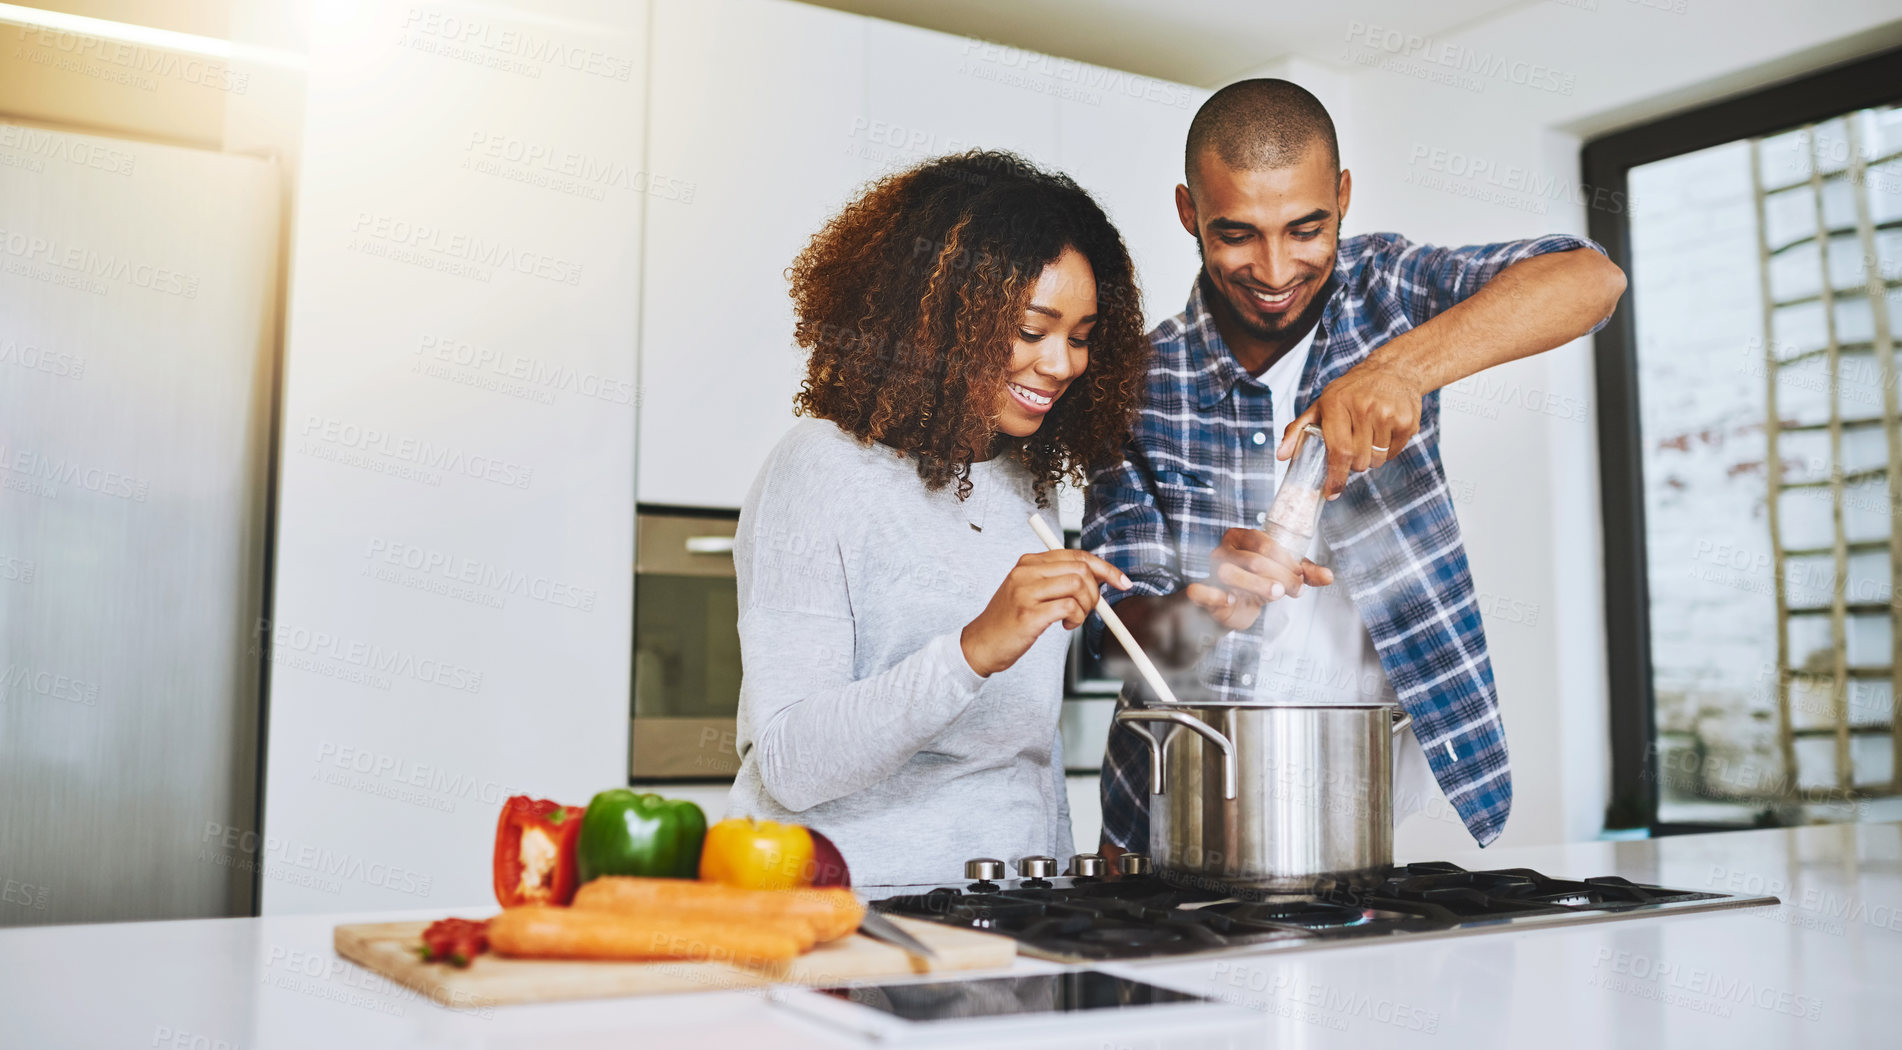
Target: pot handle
column 1133, row 718
column 1402, row 719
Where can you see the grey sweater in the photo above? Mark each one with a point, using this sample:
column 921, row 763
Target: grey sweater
column 859, row 715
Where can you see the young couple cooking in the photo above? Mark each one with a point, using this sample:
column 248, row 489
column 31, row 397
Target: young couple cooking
column 975, row 339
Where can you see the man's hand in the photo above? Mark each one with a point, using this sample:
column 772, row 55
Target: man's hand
column 1366, row 417
column 1527, row 308
column 1248, row 571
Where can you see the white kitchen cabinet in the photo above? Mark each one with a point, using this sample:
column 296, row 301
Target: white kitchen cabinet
column 752, row 104
column 928, row 94
column 1121, row 137
column 846, row 100
column 461, row 324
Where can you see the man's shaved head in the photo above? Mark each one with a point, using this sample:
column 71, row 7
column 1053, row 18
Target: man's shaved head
column 1256, row 125
column 1264, row 200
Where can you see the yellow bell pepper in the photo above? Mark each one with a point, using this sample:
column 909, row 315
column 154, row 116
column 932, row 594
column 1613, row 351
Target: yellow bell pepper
column 757, row 854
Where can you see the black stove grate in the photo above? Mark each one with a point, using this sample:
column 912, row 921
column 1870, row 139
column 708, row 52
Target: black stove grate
column 1142, row 917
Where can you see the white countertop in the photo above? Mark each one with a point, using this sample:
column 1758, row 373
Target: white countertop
column 1822, row 970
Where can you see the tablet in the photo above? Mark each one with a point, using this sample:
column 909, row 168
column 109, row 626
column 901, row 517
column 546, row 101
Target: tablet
column 1018, row 1004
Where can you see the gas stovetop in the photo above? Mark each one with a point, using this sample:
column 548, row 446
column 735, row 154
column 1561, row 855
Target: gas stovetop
column 1139, row 916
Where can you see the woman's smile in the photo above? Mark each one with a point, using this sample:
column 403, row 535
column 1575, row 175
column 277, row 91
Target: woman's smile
column 1052, row 344
column 1033, row 400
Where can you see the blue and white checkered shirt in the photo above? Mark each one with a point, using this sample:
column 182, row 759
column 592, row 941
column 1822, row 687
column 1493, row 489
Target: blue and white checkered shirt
column 1201, row 461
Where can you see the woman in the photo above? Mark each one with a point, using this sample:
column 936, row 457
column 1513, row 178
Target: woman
column 975, row 337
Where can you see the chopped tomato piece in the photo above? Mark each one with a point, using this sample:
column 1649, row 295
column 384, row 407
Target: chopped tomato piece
column 455, row 941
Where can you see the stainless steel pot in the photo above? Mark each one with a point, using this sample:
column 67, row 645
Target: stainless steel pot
column 1276, row 798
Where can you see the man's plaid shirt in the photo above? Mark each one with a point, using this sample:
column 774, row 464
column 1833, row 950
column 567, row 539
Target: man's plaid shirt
column 1201, row 461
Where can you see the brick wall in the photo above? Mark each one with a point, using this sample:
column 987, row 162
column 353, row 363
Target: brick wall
column 1695, row 293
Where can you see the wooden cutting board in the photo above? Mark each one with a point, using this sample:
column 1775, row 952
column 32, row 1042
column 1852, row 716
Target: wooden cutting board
column 389, row 948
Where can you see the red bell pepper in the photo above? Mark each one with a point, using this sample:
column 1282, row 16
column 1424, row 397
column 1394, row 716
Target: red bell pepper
column 535, row 852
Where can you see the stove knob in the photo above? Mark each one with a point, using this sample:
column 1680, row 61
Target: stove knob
column 1133, row 864
column 1037, row 867
column 984, row 869
column 1087, row 866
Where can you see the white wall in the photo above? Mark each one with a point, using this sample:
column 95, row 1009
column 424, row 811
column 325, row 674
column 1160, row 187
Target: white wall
column 1413, row 123
column 453, row 605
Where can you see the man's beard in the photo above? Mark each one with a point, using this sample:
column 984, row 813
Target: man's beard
column 1243, row 319
column 1290, row 323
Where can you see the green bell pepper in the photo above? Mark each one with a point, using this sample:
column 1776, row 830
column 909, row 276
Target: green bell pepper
column 624, row 833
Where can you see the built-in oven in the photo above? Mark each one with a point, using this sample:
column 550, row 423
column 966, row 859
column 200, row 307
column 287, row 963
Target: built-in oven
column 686, row 646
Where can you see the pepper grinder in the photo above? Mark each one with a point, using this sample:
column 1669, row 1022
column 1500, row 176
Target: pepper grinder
column 1297, row 506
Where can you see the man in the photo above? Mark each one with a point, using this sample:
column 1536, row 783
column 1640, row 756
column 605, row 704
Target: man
column 1289, row 325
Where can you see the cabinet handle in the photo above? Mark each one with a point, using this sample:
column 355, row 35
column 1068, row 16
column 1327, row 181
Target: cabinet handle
column 709, row 545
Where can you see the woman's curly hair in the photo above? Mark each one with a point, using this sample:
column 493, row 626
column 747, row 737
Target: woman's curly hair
column 909, row 299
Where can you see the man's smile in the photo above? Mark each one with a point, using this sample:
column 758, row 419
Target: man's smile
column 1272, row 302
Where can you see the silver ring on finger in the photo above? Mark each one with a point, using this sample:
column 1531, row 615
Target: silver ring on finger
column 1382, row 449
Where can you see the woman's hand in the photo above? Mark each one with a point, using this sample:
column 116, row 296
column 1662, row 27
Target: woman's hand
column 1044, row 588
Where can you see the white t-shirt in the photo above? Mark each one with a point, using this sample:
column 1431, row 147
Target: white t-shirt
column 1318, row 650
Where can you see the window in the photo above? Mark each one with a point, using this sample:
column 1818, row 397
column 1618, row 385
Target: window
column 1753, row 457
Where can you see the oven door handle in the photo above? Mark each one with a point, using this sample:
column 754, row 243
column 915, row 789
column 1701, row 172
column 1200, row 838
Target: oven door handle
column 709, row 545
column 1133, row 720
